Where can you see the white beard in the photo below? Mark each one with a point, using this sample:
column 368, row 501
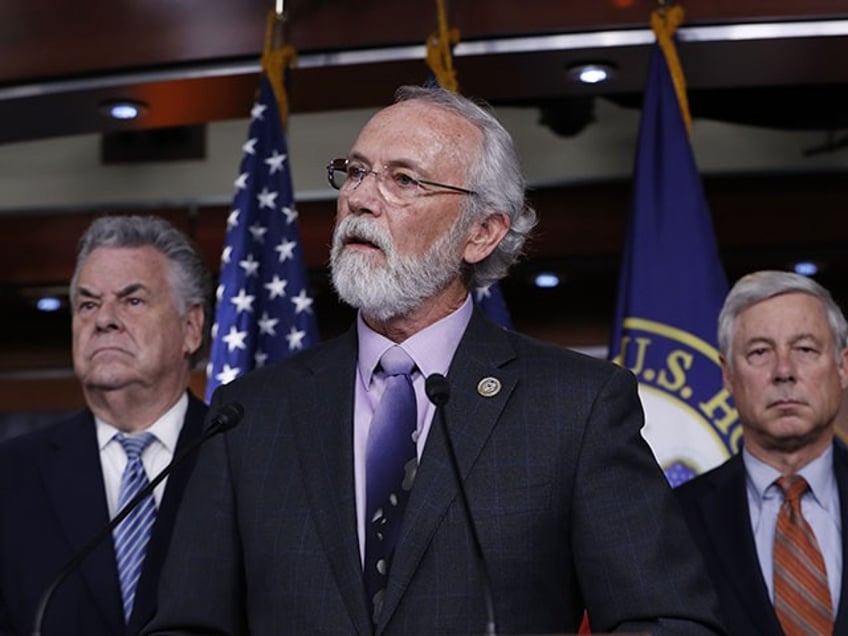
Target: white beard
column 401, row 284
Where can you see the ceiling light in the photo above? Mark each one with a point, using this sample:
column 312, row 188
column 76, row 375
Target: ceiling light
column 546, row 280
column 48, row 303
column 806, row 268
column 123, row 110
column 590, row 73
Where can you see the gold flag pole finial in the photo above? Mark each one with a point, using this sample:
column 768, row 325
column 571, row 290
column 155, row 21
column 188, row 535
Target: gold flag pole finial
column 277, row 57
column 664, row 22
column 439, row 56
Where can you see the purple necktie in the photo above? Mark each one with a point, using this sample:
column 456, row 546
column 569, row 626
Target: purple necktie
column 390, row 463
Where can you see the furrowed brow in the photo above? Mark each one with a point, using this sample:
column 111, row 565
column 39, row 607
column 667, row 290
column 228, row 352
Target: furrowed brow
column 130, row 289
column 85, row 292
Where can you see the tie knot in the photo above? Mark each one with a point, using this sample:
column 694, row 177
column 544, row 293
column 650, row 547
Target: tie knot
column 396, row 361
column 134, row 445
column 793, row 486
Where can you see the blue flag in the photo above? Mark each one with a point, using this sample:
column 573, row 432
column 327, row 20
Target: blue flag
column 671, row 289
column 264, row 311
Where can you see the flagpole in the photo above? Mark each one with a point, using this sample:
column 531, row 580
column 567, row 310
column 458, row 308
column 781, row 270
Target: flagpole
column 277, row 58
column 664, row 23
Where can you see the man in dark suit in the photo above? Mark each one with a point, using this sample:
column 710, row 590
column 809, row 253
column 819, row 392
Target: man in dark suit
column 570, row 507
column 782, row 341
column 140, row 299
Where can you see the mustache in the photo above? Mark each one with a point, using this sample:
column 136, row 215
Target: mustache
column 786, row 396
column 361, row 230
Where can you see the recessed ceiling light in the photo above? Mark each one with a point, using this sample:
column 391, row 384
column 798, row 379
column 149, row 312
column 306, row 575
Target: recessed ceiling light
column 546, row 280
column 123, row 110
column 806, row 268
column 595, row 73
column 48, row 303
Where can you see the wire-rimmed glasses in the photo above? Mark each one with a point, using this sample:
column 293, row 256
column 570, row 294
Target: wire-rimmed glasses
column 396, row 183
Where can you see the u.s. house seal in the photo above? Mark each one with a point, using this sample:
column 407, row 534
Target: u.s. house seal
column 690, row 421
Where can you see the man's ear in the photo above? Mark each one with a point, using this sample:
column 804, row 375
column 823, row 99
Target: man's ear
column 484, row 236
column 726, row 373
column 843, row 368
column 193, row 324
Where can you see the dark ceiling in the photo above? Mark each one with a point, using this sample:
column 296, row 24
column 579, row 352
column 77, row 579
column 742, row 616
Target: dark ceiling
column 195, row 62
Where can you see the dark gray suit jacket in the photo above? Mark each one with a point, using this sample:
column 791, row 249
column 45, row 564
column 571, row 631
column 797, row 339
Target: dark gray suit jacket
column 715, row 505
column 52, row 503
column 571, row 508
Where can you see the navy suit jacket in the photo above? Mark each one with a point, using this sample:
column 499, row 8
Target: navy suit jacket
column 52, row 503
column 716, row 508
column 571, row 507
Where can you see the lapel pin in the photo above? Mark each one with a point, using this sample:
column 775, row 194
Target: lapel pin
column 489, row 387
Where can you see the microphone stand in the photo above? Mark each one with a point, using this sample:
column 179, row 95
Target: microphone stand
column 227, row 418
column 438, row 390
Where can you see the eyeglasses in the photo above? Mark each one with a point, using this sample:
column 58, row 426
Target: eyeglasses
column 396, row 184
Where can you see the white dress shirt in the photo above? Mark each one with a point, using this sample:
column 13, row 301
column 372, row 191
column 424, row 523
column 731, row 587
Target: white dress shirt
column 113, row 459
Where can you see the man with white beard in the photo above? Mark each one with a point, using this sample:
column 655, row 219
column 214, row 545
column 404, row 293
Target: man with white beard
column 334, row 508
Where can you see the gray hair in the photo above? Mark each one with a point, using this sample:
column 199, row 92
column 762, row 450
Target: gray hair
column 496, row 178
column 759, row 286
column 190, row 279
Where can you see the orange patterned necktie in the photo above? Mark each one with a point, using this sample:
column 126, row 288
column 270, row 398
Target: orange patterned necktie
column 801, row 593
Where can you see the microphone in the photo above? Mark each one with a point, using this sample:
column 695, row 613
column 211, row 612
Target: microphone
column 438, row 391
column 227, row 417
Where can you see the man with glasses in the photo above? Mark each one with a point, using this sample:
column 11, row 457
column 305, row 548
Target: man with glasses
column 336, row 507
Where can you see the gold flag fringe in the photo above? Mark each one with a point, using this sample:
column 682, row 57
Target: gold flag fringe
column 439, row 56
column 276, row 60
column 664, row 22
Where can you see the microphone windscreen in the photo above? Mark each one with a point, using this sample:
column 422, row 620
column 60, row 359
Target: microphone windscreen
column 227, row 417
column 437, row 389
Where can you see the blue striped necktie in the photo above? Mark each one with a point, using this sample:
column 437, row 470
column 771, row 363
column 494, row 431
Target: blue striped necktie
column 391, row 461
column 133, row 533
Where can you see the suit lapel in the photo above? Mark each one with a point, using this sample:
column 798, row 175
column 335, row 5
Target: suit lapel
column 323, row 427
column 727, row 518
column 840, row 468
column 145, row 596
column 74, row 483
column 483, row 353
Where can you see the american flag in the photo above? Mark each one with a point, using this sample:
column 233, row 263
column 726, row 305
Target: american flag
column 264, row 311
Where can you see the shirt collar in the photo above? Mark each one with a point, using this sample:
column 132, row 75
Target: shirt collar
column 431, row 348
column 818, row 473
column 166, row 429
